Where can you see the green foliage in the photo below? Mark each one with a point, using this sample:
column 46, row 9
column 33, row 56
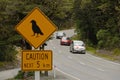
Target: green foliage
column 1, row 64
column 13, row 11
column 91, row 49
column 20, row 75
column 85, row 21
column 9, row 54
column 98, row 22
column 23, row 74
column 105, row 39
column 102, row 34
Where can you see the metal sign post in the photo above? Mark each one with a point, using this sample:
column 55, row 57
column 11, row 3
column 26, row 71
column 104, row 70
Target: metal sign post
column 37, row 73
column 42, row 48
column 54, row 71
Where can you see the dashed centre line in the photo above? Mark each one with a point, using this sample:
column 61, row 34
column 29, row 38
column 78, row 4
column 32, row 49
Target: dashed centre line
column 69, row 57
column 82, row 63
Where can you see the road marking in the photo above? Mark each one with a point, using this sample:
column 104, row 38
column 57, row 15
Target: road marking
column 100, row 69
column 95, row 57
column 105, row 60
column 82, row 63
column 59, row 51
column 67, row 74
column 96, row 68
column 113, row 62
column 54, row 48
column 69, row 57
column 92, row 66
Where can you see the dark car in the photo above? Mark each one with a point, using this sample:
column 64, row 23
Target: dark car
column 65, row 41
column 59, row 35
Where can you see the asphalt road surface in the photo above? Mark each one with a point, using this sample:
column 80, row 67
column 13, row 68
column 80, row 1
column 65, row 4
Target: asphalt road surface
column 77, row 66
column 82, row 66
column 8, row 73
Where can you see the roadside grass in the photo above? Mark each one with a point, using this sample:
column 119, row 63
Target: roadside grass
column 91, row 49
column 8, row 65
column 2, row 64
column 113, row 55
column 74, row 37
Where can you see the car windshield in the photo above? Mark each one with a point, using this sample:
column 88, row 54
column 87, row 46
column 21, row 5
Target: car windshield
column 78, row 43
column 65, row 38
column 60, row 33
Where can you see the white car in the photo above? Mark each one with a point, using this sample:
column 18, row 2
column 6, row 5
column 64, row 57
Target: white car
column 59, row 35
column 77, row 46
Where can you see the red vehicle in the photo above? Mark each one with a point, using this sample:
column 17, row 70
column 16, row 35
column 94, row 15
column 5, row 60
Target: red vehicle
column 65, row 41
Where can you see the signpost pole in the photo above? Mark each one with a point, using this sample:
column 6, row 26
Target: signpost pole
column 54, row 71
column 37, row 73
column 43, row 48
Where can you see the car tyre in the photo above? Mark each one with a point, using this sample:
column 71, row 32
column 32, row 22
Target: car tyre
column 83, row 52
column 70, row 50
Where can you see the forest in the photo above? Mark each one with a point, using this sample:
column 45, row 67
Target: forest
column 97, row 22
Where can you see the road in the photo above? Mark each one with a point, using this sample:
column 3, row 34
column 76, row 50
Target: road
column 77, row 66
column 8, row 73
column 82, row 66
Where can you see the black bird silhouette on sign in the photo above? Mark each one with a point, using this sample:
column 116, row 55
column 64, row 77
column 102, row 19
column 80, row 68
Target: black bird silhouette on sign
column 36, row 29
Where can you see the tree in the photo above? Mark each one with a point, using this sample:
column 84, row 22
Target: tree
column 13, row 11
column 85, row 20
column 94, row 16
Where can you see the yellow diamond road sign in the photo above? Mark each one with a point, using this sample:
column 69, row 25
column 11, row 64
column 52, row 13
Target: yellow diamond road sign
column 36, row 28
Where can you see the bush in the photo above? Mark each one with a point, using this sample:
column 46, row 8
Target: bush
column 107, row 40
column 7, row 53
column 20, row 75
column 23, row 74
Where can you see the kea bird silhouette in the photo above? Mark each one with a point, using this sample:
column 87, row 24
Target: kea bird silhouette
column 36, row 29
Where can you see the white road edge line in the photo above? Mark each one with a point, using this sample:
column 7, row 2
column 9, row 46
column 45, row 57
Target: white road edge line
column 105, row 60
column 67, row 74
column 97, row 68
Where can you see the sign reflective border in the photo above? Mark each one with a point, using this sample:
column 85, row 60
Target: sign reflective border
column 36, row 60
